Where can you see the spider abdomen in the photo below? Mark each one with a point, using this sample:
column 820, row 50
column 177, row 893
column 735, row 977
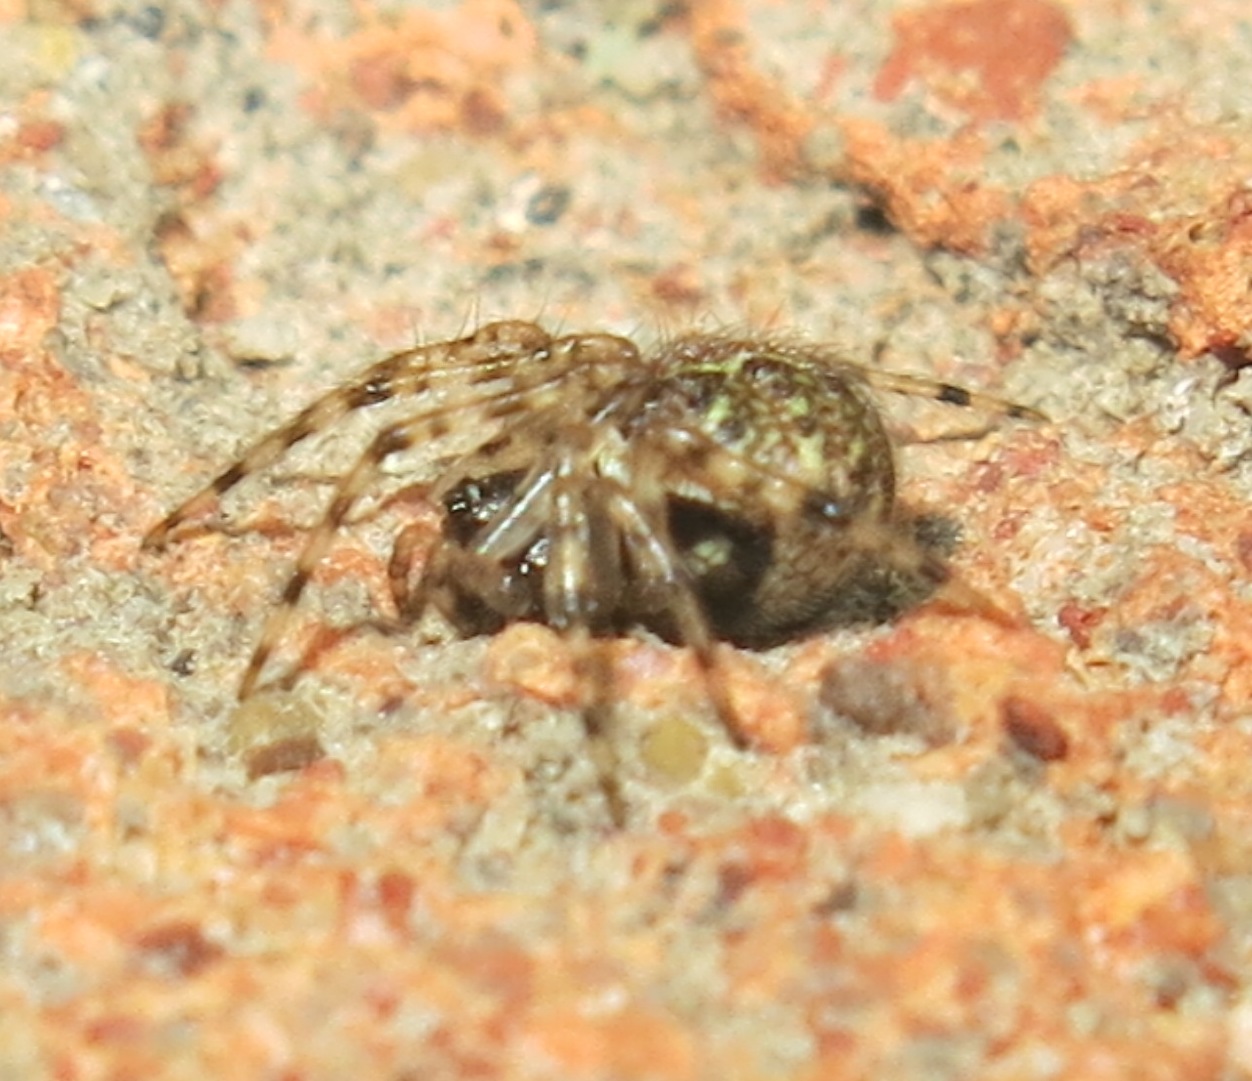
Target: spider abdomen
column 792, row 458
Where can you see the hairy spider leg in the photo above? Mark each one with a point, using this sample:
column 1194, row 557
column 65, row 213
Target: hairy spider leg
column 593, row 524
column 507, row 450
column 921, row 386
column 644, row 528
column 582, row 587
column 428, row 425
column 544, row 393
column 490, row 354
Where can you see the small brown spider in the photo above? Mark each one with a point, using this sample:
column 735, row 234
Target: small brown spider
column 721, row 487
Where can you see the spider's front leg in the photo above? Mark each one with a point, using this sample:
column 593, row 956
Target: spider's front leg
column 410, row 599
column 354, row 485
column 467, row 365
column 526, row 547
column 661, row 584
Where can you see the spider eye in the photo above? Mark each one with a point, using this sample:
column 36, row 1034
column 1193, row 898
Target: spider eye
column 376, row 390
column 765, row 369
column 473, row 502
column 819, row 505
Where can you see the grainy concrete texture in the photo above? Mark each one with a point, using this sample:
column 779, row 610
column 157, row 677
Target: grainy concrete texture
column 957, row 848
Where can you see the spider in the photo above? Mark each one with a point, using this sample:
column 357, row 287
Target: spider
column 720, row 487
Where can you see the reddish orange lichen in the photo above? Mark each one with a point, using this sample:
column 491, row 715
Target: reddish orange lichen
column 420, row 71
column 1178, row 203
column 989, row 58
column 742, row 93
column 531, row 659
column 75, row 493
column 934, row 190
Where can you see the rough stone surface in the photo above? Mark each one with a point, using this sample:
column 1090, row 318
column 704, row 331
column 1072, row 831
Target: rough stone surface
column 962, row 849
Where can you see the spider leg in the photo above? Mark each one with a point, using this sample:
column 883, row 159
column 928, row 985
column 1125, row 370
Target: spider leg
column 704, row 461
column 921, row 386
column 583, row 579
column 593, row 668
column 491, row 353
column 589, row 361
column 409, row 601
column 654, row 568
column 427, row 426
column 478, row 566
column 583, row 585
column 904, row 553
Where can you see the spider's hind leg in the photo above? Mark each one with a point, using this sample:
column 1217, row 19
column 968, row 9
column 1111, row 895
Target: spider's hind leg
column 904, row 565
column 921, row 386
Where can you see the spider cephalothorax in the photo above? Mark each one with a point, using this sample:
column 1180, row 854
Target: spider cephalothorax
column 719, row 487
